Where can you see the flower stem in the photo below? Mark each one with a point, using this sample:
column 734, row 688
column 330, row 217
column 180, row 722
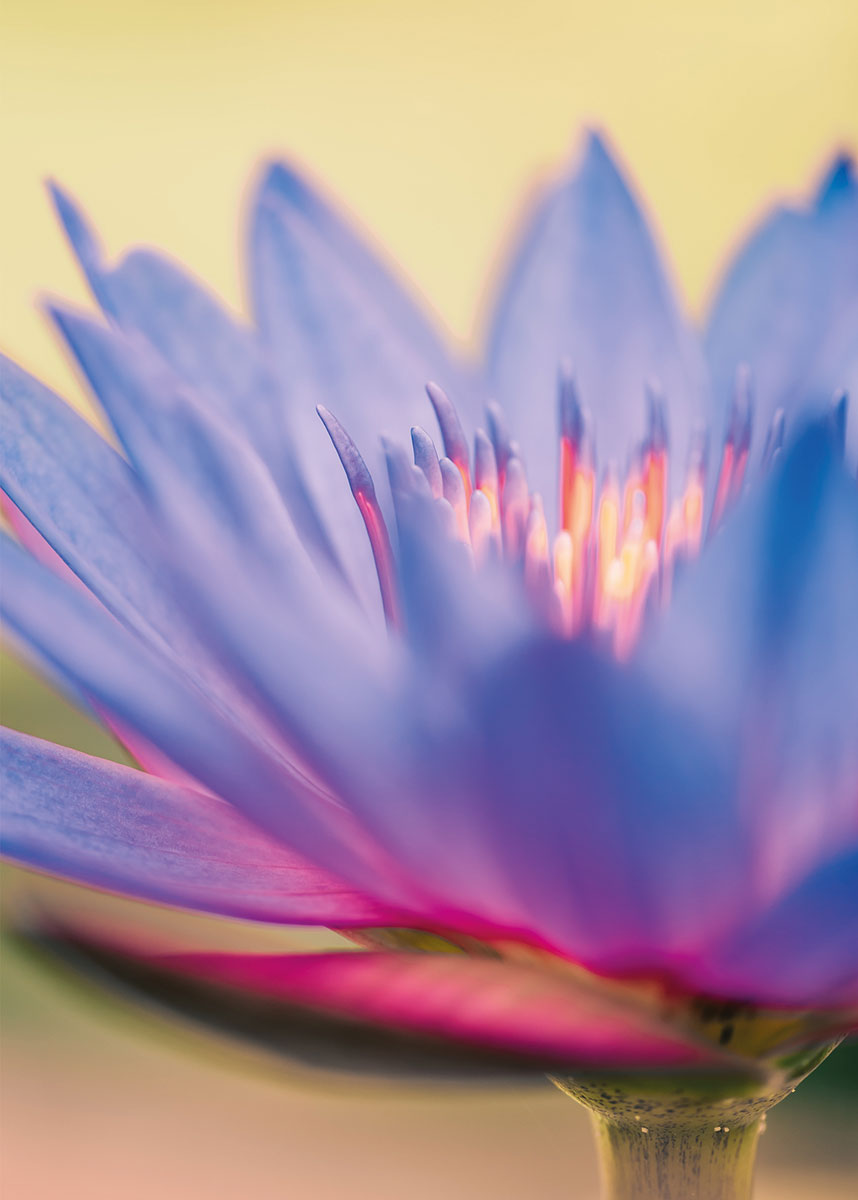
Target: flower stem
column 675, row 1161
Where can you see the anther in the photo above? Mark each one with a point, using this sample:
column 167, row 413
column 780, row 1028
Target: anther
column 452, row 434
column 426, row 458
column 363, row 490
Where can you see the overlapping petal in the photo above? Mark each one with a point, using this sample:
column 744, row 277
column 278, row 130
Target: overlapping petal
column 547, row 1019
column 761, row 643
column 81, row 642
column 343, row 334
column 586, row 285
column 80, row 496
column 107, row 826
column 787, row 307
column 687, row 816
column 799, row 952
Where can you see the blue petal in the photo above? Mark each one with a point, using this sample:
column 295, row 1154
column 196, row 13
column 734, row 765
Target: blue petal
column 80, row 495
column 107, row 826
column 82, row 644
column 219, row 358
column 361, row 261
column 339, row 339
column 803, row 950
column 761, row 642
column 586, row 285
column 609, row 811
column 183, row 454
column 787, row 307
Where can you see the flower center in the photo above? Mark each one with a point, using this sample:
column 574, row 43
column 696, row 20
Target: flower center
column 618, row 538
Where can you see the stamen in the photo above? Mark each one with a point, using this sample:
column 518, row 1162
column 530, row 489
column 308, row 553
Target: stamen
column 499, row 436
column 736, row 446
column 426, row 458
column 614, row 555
column 452, row 434
column 564, row 554
column 363, row 490
column 514, row 508
column 608, row 531
column 654, row 476
column 537, row 571
column 486, row 473
column 454, row 494
column 481, row 525
column 572, row 429
column 774, row 439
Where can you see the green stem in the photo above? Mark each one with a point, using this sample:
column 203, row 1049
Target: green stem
column 675, row 1160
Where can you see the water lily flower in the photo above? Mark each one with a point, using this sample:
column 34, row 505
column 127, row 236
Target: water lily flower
column 545, row 693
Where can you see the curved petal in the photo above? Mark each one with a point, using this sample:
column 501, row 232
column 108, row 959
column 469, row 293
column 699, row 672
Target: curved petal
column 111, row 827
column 339, row 341
column 790, row 285
column 761, row 643
column 606, row 809
column 73, row 490
column 222, row 360
column 545, row 1017
column 360, row 259
column 79, row 495
column 803, row 951
column 83, row 644
column 586, row 285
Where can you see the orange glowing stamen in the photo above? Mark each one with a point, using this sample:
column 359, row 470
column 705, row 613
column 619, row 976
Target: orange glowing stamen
column 723, row 488
column 692, row 514
column 583, row 497
column 655, row 491
column 564, row 561
column 606, row 545
column 568, row 462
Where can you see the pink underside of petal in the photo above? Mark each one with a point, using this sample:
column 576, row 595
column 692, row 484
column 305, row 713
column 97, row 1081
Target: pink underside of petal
column 474, row 1001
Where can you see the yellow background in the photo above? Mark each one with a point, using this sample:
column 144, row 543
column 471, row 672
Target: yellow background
column 430, row 120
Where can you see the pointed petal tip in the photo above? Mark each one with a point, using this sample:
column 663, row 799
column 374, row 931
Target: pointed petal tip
column 839, row 178
column 77, row 226
column 598, row 155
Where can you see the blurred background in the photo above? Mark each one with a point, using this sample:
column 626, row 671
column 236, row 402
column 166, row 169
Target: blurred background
column 431, row 121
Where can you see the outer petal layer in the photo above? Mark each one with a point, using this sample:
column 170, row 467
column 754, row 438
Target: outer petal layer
column 539, row 1016
column 801, row 951
column 761, row 643
column 111, row 827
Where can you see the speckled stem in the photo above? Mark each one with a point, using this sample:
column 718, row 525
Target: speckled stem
column 665, row 1161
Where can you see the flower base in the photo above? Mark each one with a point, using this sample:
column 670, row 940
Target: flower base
column 662, row 1161
column 675, row 1138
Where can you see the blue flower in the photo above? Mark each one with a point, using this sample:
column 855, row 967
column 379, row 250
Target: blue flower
column 571, row 687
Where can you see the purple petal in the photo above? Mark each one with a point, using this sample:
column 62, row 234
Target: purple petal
column 338, row 338
column 606, row 809
column 220, row 359
column 787, row 307
column 761, row 644
column 79, row 495
column 802, row 951
column 111, row 827
column 82, row 643
column 359, row 258
column 586, row 285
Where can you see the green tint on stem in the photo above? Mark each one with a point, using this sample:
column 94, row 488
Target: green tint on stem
column 683, row 1138
column 668, row 1162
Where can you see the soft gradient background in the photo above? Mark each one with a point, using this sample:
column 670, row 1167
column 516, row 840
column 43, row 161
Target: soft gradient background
column 432, row 120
